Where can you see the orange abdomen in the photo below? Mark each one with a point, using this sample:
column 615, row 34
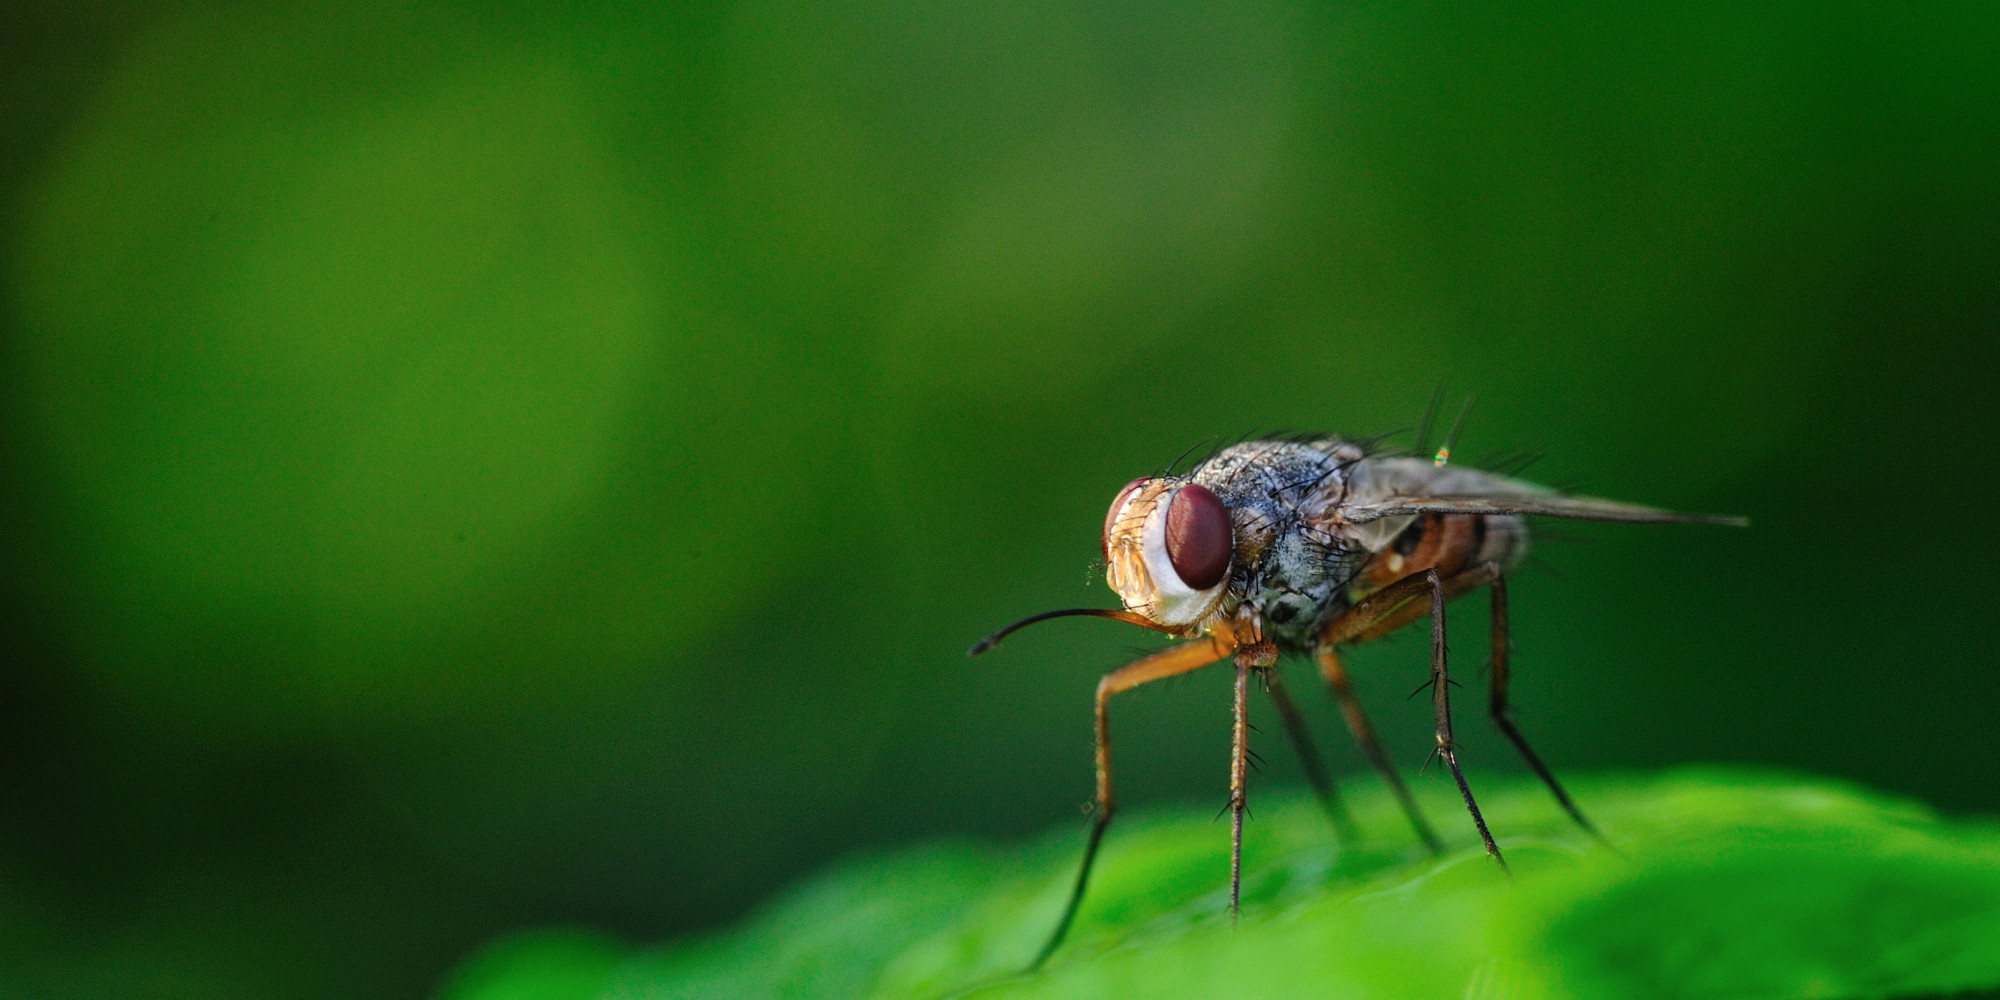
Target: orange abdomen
column 1448, row 543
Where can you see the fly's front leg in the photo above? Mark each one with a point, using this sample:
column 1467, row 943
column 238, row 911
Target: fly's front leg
column 1503, row 715
column 1166, row 663
column 1239, row 781
column 1258, row 656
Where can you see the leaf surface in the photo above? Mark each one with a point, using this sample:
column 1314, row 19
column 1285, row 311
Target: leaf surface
column 1720, row 884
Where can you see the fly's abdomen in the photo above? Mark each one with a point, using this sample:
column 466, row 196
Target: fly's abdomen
column 1505, row 543
column 1448, row 543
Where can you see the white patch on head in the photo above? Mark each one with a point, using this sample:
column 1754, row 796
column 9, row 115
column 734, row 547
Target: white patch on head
column 1174, row 602
column 1138, row 568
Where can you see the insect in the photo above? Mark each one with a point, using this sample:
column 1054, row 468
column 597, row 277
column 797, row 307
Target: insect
column 1307, row 545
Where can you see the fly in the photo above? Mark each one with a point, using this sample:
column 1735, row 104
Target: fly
column 1308, row 545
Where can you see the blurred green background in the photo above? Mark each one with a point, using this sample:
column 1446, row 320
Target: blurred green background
column 473, row 468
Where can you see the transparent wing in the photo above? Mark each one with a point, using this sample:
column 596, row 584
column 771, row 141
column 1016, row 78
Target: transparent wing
column 1536, row 505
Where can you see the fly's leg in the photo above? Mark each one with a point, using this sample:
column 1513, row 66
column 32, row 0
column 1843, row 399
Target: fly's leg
column 1166, row 663
column 1399, row 604
column 1239, row 752
column 1376, row 615
column 1503, row 716
column 1309, row 758
column 1441, row 703
column 1371, row 748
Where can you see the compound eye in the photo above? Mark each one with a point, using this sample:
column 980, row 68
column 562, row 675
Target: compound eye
column 1199, row 537
column 1111, row 516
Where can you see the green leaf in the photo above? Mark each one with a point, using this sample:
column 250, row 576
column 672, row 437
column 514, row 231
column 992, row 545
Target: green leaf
column 1719, row 884
column 555, row 964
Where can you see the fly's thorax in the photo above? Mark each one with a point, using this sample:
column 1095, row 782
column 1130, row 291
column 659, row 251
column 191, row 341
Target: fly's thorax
column 1169, row 545
column 1291, row 563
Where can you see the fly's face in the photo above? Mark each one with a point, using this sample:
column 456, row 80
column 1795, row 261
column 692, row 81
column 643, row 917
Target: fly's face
column 1168, row 545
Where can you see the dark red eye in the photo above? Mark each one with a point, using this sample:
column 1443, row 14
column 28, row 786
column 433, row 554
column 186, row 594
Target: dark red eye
column 1199, row 539
column 1111, row 516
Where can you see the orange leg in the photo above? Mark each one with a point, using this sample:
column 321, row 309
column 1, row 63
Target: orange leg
column 1385, row 611
column 1399, row 604
column 1166, row 663
column 1309, row 758
column 1239, row 781
column 1364, row 737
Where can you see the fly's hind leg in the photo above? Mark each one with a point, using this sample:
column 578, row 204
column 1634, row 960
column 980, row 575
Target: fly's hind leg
column 1503, row 715
column 1385, row 611
column 1166, row 663
column 1447, row 750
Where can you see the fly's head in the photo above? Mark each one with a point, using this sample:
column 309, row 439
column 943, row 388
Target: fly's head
column 1168, row 545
